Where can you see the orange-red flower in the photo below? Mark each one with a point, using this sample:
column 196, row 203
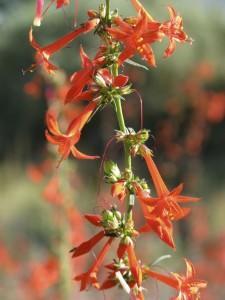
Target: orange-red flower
column 137, row 37
column 66, row 142
column 90, row 277
column 44, row 53
column 40, row 6
column 83, row 77
column 119, row 190
column 173, row 29
column 127, row 272
column 188, row 286
column 162, row 210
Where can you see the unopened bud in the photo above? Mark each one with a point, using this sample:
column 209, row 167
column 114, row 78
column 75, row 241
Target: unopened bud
column 143, row 135
column 100, row 80
column 92, row 13
column 112, row 172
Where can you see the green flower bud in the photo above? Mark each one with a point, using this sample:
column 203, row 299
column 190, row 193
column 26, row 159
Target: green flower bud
column 143, row 135
column 112, row 172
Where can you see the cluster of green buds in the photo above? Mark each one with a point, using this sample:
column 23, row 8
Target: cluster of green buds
column 133, row 139
column 112, row 222
column 111, row 171
column 116, row 225
column 114, row 175
column 104, row 17
column 108, row 90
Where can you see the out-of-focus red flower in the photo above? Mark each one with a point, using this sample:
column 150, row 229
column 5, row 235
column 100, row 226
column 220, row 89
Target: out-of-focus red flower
column 38, row 12
column 66, row 142
column 216, row 108
column 7, row 263
column 52, row 193
column 173, row 29
column 37, row 172
column 40, row 7
column 42, row 276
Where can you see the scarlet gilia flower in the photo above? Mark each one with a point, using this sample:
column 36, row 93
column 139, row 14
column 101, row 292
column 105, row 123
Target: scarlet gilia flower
column 66, row 142
column 83, row 77
column 110, row 223
column 188, row 286
column 90, row 277
column 113, row 226
column 119, row 190
column 136, row 37
column 165, row 208
column 44, row 53
column 105, row 88
column 126, row 272
column 173, row 29
column 40, row 7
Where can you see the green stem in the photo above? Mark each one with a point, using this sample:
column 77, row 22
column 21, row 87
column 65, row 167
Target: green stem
column 107, row 10
column 121, row 122
column 122, row 125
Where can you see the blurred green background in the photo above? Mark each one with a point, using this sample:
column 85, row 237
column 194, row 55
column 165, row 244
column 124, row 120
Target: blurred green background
column 184, row 106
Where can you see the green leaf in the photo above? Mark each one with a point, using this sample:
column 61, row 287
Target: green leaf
column 161, row 258
column 135, row 64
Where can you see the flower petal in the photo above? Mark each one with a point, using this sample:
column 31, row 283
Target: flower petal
column 38, row 13
column 94, row 219
column 120, row 80
column 88, row 245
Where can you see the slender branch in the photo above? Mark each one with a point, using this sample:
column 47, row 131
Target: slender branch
column 120, row 118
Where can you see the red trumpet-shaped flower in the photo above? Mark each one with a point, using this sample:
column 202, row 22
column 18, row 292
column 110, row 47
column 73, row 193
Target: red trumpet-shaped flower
column 66, row 142
column 113, row 226
column 137, row 37
column 109, row 222
column 173, row 29
column 127, row 272
column 43, row 53
column 40, row 7
column 104, row 87
column 90, row 277
column 83, row 77
column 188, row 286
column 165, row 208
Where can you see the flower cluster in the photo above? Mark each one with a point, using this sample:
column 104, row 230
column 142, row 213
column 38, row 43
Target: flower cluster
column 100, row 83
